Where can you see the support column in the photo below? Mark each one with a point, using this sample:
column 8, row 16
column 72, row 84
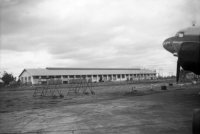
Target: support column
column 92, row 78
column 32, row 80
column 40, row 80
column 61, row 78
column 97, row 78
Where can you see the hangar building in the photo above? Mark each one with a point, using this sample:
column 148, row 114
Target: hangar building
column 41, row 75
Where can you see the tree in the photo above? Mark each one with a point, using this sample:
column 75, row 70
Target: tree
column 7, row 78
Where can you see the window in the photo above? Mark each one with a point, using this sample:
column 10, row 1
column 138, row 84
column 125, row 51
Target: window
column 35, row 77
column 51, row 76
column 43, row 77
column 78, row 76
column 58, row 76
column 83, row 76
column 118, row 76
column 95, row 77
column 104, row 77
column 71, row 76
column 180, row 34
column 65, row 76
column 114, row 77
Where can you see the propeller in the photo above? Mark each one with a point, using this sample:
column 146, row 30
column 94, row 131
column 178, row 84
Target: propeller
column 178, row 71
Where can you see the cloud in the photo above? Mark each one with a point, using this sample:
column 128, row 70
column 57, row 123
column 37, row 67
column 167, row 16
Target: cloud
column 93, row 33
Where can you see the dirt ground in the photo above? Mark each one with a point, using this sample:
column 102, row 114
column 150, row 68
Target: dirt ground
column 113, row 109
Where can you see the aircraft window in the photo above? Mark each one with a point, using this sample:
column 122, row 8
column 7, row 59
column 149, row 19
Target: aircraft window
column 180, row 35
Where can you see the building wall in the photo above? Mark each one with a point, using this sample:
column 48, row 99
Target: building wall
column 28, row 78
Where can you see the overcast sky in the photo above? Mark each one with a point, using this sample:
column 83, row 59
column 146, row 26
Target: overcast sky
column 91, row 33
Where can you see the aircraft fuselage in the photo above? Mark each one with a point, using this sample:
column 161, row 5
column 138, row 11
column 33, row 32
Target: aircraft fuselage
column 188, row 35
column 186, row 46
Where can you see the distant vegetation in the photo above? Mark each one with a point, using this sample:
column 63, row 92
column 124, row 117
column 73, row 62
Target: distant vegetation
column 8, row 79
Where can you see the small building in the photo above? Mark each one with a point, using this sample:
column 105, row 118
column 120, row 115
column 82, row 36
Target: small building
column 41, row 75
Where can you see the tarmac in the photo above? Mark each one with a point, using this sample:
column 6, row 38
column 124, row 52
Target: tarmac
column 113, row 110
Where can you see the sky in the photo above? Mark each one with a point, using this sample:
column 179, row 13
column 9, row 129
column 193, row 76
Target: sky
column 91, row 33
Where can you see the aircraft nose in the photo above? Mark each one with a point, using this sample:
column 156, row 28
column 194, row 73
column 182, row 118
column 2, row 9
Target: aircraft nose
column 167, row 44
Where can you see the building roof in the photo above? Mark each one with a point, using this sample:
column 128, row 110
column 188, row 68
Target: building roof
column 60, row 68
column 85, row 71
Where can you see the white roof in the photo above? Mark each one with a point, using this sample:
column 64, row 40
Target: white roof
column 85, row 71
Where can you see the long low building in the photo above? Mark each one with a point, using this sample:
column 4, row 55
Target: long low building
column 41, row 75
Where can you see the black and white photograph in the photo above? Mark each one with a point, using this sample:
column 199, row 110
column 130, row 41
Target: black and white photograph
column 99, row 66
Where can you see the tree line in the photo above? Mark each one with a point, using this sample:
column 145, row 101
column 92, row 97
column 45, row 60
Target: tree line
column 7, row 78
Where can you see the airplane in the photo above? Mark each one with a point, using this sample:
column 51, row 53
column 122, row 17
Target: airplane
column 186, row 46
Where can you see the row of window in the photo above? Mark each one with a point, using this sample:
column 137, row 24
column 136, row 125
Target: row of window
column 89, row 76
column 25, row 79
column 117, row 76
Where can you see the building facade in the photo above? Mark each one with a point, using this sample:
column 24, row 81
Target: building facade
column 40, row 76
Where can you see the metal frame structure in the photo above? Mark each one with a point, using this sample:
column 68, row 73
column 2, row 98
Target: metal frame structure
column 54, row 87
column 81, row 86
